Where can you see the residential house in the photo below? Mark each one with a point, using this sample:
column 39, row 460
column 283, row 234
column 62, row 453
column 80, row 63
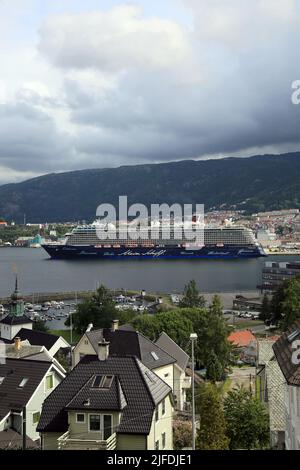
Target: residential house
column 245, row 345
column 181, row 381
column 16, row 319
column 24, row 350
column 270, row 383
column 287, row 352
column 24, row 385
column 18, row 325
column 54, row 344
column 125, row 340
column 108, row 402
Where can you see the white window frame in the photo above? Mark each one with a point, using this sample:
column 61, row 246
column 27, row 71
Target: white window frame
column 81, row 422
column 101, row 431
column 48, row 375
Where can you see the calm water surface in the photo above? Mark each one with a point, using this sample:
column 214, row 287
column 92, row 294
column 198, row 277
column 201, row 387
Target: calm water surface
column 38, row 273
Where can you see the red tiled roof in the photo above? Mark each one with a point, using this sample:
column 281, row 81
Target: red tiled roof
column 241, row 338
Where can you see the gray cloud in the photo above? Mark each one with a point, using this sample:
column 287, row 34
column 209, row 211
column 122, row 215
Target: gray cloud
column 146, row 90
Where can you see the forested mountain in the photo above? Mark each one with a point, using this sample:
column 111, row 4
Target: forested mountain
column 256, row 183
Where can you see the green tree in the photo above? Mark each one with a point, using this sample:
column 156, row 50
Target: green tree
column 191, row 297
column 40, row 325
column 214, row 367
column 99, row 309
column 212, row 347
column 247, row 420
column 182, row 434
column 212, row 433
column 266, row 309
column 147, row 325
column 216, row 307
column 291, row 303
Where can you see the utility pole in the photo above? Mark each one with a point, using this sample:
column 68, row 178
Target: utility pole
column 193, row 338
column 24, row 428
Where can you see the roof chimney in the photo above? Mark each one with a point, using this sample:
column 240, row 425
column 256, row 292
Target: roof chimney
column 103, row 350
column 115, row 325
column 18, row 344
column 90, row 327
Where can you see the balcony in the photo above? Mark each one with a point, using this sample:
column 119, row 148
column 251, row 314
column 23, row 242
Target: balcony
column 186, row 382
column 65, row 442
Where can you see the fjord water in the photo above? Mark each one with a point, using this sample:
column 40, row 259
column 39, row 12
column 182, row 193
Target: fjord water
column 38, row 273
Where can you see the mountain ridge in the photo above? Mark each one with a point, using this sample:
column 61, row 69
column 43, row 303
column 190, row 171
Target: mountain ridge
column 261, row 182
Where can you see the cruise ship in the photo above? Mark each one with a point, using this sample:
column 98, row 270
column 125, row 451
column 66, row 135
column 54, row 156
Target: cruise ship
column 226, row 242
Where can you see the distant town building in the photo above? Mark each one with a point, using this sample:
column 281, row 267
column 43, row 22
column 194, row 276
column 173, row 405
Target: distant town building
column 275, row 273
column 246, row 303
column 267, row 238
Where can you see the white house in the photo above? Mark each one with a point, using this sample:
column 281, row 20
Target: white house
column 24, row 385
column 287, row 352
column 181, row 381
column 108, row 402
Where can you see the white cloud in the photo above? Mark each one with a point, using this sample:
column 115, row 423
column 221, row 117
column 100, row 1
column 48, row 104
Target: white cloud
column 115, row 40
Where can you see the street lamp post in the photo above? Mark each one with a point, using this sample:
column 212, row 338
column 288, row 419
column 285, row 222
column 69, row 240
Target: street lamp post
column 193, row 338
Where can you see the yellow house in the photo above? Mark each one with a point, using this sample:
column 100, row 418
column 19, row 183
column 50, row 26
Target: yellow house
column 164, row 357
column 108, row 402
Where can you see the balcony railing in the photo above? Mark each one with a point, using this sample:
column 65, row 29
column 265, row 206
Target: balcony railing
column 65, row 442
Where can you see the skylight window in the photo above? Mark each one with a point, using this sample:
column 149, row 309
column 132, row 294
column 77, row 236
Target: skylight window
column 294, row 335
column 102, row 381
column 154, row 355
column 1, row 380
column 97, row 381
column 23, row 383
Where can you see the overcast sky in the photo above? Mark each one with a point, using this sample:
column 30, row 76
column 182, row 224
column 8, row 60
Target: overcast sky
column 98, row 83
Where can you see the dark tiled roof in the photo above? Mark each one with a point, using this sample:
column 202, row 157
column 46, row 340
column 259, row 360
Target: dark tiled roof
column 167, row 344
column 140, row 398
column 98, row 398
column 14, row 320
column 12, row 397
column 283, row 349
column 10, row 439
column 37, row 338
column 132, row 343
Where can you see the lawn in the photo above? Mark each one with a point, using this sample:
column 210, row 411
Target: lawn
column 241, row 324
column 66, row 334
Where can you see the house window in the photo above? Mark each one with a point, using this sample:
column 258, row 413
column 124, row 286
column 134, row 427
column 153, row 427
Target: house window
column 36, row 417
column 163, row 404
column 156, row 445
column 156, row 414
column 163, row 440
column 95, row 423
column 80, row 418
column 49, row 382
column 107, row 426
